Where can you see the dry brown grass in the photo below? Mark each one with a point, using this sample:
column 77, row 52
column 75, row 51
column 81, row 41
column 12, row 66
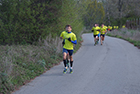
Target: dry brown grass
column 126, row 33
column 133, row 36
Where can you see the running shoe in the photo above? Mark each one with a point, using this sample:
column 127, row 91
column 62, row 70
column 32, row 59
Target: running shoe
column 65, row 70
column 96, row 42
column 71, row 71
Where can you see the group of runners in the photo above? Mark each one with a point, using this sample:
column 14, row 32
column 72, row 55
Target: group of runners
column 99, row 32
column 69, row 38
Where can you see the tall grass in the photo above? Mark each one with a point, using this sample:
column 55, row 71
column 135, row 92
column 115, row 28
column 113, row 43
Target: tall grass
column 20, row 63
column 132, row 36
column 126, row 33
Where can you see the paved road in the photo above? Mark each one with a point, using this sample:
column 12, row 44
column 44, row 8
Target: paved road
column 113, row 68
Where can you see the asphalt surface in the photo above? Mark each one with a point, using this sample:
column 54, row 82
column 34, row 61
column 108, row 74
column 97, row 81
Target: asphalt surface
column 113, row 68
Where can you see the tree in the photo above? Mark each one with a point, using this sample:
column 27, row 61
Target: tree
column 118, row 11
column 95, row 13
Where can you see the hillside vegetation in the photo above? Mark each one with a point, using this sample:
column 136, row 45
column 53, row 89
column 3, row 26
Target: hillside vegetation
column 29, row 36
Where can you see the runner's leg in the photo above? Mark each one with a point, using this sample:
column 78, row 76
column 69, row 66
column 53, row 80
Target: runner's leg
column 97, row 39
column 94, row 40
column 64, row 59
column 71, row 60
column 67, row 60
column 101, row 39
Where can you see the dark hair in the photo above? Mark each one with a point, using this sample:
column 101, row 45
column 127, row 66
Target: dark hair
column 68, row 26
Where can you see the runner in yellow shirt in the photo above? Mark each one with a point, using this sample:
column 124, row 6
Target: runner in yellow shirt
column 69, row 39
column 109, row 28
column 96, row 33
column 114, row 27
column 117, row 27
column 103, row 30
column 123, row 26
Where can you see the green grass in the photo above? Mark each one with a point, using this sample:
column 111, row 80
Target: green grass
column 19, row 64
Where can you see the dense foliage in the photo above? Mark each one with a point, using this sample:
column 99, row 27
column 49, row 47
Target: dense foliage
column 27, row 21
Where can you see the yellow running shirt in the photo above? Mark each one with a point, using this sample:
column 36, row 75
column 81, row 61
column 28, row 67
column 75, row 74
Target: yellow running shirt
column 62, row 34
column 109, row 27
column 103, row 30
column 65, row 35
column 123, row 26
column 96, row 30
column 105, row 27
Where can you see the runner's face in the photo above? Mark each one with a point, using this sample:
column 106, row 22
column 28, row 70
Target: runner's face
column 102, row 25
column 68, row 29
column 96, row 25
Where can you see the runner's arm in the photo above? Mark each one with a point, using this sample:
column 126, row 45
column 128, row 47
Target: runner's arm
column 92, row 30
column 105, row 31
column 61, row 35
column 74, row 42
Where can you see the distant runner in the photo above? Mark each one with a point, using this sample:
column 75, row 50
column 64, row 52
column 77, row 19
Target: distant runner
column 123, row 26
column 109, row 28
column 96, row 33
column 103, row 32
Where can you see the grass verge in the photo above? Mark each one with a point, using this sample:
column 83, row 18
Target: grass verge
column 128, row 35
column 21, row 63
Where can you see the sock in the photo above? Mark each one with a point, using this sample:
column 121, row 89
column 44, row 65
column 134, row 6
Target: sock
column 64, row 61
column 67, row 61
column 71, row 63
